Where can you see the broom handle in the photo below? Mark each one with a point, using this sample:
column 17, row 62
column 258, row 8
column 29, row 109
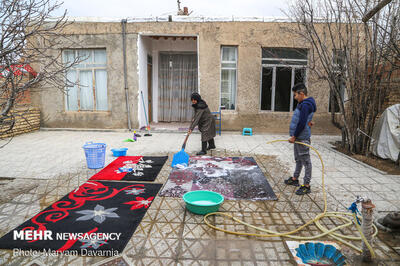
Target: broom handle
column 184, row 143
column 144, row 108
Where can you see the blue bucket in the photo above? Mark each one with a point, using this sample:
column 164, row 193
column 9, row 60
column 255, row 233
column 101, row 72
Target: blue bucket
column 95, row 154
column 119, row 152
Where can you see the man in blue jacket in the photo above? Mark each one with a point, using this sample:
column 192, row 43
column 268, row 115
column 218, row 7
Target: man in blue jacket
column 300, row 131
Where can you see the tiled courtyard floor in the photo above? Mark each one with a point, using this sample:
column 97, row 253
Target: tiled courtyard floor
column 39, row 168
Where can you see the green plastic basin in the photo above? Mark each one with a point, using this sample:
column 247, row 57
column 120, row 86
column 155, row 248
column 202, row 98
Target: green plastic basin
column 203, row 201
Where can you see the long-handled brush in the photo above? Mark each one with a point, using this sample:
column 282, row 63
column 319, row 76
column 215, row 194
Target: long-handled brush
column 145, row 115
column 181, row 158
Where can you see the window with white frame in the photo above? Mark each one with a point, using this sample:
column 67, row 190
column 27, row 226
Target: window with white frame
column 87, row 80
column 282, row 68
column 228, row 77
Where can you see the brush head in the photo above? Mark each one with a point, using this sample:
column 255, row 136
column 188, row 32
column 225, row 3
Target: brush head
column 180, row 158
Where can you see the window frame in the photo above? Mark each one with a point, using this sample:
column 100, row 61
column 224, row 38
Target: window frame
column 229, row 68
column 288, row 65
column 83, row 66
column 293, row 71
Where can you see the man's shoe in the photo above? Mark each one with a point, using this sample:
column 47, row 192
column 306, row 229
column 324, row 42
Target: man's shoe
column 292, row 182
column 201, row 153
column 211, row 147
column 303, row 190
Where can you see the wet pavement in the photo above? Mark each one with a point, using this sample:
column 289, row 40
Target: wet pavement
column 39, row 168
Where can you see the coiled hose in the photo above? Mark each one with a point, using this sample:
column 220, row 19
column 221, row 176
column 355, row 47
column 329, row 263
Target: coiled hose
column 325, row 231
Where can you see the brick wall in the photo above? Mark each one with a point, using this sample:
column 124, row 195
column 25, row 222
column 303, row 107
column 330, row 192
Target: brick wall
column 393, row 96
column 27, row 119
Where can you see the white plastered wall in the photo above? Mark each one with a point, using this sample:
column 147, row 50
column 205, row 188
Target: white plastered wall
column 153, row 47
column 144, row 49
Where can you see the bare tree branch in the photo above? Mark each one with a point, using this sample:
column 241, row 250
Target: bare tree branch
column 375, row 10
column 30, row 36
column 370, row 52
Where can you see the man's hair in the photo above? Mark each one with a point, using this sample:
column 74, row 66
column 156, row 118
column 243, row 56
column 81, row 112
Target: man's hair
column 300, row 87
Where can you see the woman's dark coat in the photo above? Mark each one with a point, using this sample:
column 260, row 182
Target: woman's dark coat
column 205, row 120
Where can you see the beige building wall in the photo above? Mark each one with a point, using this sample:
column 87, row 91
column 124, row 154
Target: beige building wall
column 249, row 37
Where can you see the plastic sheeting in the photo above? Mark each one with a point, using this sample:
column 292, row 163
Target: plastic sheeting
column 386, row 134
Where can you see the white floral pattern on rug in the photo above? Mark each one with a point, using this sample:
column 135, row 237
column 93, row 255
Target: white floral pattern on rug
column 99, row 214
column 135, row 168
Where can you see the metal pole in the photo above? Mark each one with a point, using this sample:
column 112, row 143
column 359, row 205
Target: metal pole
column 123, row 24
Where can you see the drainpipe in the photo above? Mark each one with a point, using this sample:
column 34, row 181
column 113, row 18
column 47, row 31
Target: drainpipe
column 123, row 24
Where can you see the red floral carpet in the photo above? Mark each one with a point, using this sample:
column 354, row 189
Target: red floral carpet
column 97, row 216
column 132, row 168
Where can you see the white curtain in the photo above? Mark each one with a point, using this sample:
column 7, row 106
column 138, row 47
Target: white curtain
column 177, row 81
column 228, row 77
column 100, row 57
column 229, row 54
column 228, row 88
column 85, row 56
column 92, row 64
column 71, row 77
column 101, row 89
column 72, row 92
column 86, row 89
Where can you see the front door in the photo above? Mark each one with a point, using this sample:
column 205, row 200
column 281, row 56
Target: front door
column 177, row 81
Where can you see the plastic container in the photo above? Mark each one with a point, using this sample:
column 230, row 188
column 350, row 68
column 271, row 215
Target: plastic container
column 119, row 152
column 203, row 201
column 95, row 154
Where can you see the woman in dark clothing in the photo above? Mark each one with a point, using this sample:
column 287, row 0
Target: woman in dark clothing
column 206, row 122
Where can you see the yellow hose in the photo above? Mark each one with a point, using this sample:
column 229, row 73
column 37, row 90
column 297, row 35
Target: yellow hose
column 331, row 232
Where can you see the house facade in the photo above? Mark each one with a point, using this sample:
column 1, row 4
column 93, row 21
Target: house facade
column 138, row 70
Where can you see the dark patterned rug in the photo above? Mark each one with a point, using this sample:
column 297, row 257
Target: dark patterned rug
column 233, row 177
column 97, row 219
column 132, row 168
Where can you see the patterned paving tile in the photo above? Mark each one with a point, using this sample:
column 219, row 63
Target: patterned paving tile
column 160, row 248
column 154, row 262
column 198, row 231
column 170, row 235
column 135, row 247
column 197, row 249
column 165, row 230
column 189, row 262
column 170, row 216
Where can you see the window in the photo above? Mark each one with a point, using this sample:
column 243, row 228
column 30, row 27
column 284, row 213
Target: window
column 228, row 77
column 89, row 91
column 339, row 70
column 281, row 69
